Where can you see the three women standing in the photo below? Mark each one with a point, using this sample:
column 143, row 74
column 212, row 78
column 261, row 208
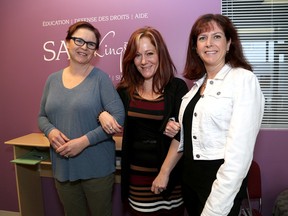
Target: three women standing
column 220, row 118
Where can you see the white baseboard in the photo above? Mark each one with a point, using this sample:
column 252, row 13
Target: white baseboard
column 9, row 213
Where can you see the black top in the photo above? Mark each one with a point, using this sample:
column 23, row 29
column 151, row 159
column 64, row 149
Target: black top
column 173, row 93
column 187, row 125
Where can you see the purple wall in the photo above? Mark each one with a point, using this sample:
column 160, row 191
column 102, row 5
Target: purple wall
column 31, row 49
column 271, row 154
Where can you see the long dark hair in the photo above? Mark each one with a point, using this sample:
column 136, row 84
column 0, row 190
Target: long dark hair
column 194, row 67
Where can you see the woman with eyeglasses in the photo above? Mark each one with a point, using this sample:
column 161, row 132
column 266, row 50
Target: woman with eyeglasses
column 82, row 153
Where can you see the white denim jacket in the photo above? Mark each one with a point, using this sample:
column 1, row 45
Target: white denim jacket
column 225, row 125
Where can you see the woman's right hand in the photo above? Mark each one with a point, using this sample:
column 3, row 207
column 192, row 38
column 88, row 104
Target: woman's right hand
column 109, row 123
column 57, row 138
column 172, row 128
column 160, row 183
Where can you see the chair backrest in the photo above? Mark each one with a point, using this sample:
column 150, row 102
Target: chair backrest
column 254, row 189
column 254, row 192
column 254, row 181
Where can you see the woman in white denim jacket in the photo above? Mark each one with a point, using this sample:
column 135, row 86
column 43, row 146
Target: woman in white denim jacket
column 220, row 118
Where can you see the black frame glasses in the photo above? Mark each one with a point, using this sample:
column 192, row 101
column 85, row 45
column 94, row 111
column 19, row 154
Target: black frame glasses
column 80, row 42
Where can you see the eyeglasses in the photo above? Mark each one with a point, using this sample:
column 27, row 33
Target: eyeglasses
column 81, row 42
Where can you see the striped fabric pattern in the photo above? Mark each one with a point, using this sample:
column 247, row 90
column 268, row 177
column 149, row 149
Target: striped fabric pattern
column 146, row 117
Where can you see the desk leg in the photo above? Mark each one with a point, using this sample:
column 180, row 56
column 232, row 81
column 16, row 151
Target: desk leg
column 28, row 187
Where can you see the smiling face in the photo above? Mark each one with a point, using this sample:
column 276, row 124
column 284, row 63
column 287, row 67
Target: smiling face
column 212, row 47
column 146, row 59
column 81, row 54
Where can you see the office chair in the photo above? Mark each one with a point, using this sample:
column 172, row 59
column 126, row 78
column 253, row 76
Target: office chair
column 254, row 192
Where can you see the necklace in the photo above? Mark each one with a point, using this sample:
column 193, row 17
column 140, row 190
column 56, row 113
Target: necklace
column 147, row 95
column 85, row 71
column 78, row 72
column 70, row 80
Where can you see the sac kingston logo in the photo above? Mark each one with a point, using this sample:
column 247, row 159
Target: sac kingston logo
column 55, row 51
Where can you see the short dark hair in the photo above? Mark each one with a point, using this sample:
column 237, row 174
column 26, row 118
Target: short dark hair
column 86, row 25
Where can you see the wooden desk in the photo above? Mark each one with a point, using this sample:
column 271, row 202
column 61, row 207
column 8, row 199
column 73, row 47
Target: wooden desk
column 28, row 177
